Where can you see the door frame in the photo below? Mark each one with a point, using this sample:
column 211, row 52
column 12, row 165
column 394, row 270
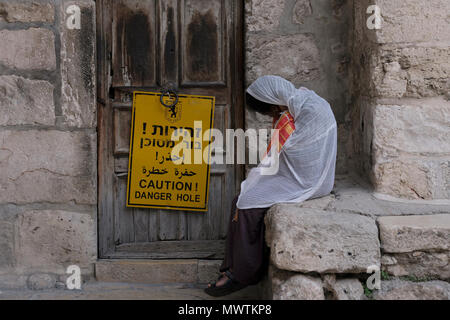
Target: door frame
column 106, row 246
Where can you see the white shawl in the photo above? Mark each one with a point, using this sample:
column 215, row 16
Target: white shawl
column 307, row 160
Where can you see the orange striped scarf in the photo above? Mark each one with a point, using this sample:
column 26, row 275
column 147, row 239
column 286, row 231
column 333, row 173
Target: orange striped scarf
column 286, row 125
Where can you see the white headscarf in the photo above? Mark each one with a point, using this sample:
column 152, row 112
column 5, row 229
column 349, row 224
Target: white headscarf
column 307, row 160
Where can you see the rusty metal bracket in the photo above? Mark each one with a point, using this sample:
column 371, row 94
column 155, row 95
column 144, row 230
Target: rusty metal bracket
column 169, row 93
column 169, row 90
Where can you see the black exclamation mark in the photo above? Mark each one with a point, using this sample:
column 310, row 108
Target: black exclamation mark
column 145, row 128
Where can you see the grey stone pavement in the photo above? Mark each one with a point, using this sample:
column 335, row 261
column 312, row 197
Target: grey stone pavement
column 125, row 291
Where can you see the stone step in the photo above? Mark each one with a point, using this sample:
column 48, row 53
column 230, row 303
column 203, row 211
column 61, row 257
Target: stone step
column 190, row 273
column 157, row 271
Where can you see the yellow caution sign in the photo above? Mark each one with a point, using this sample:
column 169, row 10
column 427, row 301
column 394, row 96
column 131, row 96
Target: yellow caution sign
column 170, row 151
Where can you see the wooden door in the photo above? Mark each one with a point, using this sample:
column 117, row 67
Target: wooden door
column 143, row 45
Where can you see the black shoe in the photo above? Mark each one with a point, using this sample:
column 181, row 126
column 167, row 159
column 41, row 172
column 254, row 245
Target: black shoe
column 230, row 286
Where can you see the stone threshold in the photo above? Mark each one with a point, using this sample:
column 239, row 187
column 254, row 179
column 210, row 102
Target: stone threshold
column 157, row 271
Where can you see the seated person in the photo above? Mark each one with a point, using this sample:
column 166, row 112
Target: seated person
column 307, row 160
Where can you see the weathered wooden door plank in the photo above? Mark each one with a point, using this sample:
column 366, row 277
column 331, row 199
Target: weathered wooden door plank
column 142, row 45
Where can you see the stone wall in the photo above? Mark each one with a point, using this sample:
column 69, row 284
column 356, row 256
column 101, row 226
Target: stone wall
column 48, row 135
column 401, row 105
column 306, row 42
column 320, row 253
column 388, row 88
column 48, row 148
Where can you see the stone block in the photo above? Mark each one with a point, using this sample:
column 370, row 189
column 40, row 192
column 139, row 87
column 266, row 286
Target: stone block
column 47, row 166
column 405, row 290
column 31, row 49
column 421, row 178
column 419, row 264
column 52, row 240
column 35, row 11
column 26, row 102
column 263, row 15
column 147, row 271
column 41, row 281
column 393, row 80
column 11, row 281
column 349, row 289
column 302, row 10
column 78, row 68
column 298, row 52
column 293, row 286
column 406, row 72
column 413, row 21
column 312, row 240
column 400, row 234
column 343, row 289
column 7, row 240
column 424, row 69
column 411, row 125
column 410, row 148
column 208, row 270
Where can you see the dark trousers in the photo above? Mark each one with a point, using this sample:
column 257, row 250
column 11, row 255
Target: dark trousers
column 246, row 253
